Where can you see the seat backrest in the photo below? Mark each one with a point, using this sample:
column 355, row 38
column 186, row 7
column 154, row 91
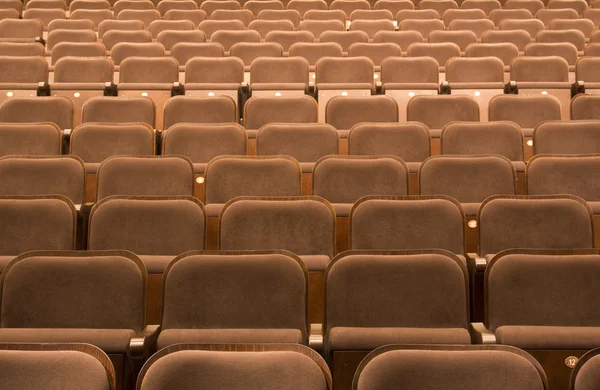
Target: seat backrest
column 537, row 297
column 372, row 27
column 475, row 70
column 121, row 25
column 468, row 179
column 193, row 298
column 148, row 70
column 306, row 142
column 539, row 69
column 545, row 222
column 346, row 179
column 21, row 49
column 498, row 15
column 441, row 6
column 436, row 111
column 401, row 38
column 411, row 70
column 468, row 138
column 477, row 26
column 74, row 366
column 526, row 111
column 262, row 110
column 423, row 26
column 146, row 16
column 441, row 52
column 36, row 223
column 585, row 26
column 228, row 38
column 279, row 70
column 211, row 6
column 249, row 51
column 77, row 49
column 23, row 69
column 30, row 139
column 562, row 137
column 211, row 26
column 195, row 16
column 21, row 28
column 410, row 14
column 486, row 6
column 166, row 5
column 145, row 175
column 376, row 52
column 519, row 38
column 203, row 142
column 348, row 6
column 532, row 6
column 84, row 70
column 263, row 27
column 575, row 37
column 532, row 26
column 333, row 70
column 462, row 38
column 548, row 14
column 148, row 226
column 583, row 106
column 168, row 38
column 184, row 51
column 303, row 6
column 214, row 70
column 462, row 14
column 407, row 222
column 588, row 69
column 51, row 109
column 191, row 109
column 243, row 15
column 43, row 175
column 413, row 365
column 326, row 15
column 564, row 174
column 123, row 50
column 312, row 52
column 380, row 14
column 228, row 177
column 318, row 27
column 302, row 225
column 240, row 367
column 70, row 299
column 585, row 374
column 343, row 112
column 61, row 35
column 344, row 38
column 118, row 109
column 506, row 52
column 287, row 38
column 274, row 14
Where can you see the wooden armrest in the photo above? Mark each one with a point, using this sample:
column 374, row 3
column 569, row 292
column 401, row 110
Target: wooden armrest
column 144, row 342
column 480, row 334
column 315, row 337
column 476, row 262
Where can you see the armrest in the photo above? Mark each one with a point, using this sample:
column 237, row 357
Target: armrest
column 480, row 334
column 144, row 342
column 315, row 337
column 476, row 262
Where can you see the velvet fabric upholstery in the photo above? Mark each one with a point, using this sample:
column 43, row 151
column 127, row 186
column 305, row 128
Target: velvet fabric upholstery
column 343, row 112
column 302, row 225
column 566, row 50
column 423, row 26
column 575, row 37
column 58, row 36
column 586, row 25
column 211, row 26
column 52, row 109
column 441, row 52
column 44, row 15
column 532, row 26
column 461, row 38
column 586, row 69
column 258, row 6
column 53, row 370
column 376, row 52
column 498, row 15
column 95, row 15
column 148, row 226
column 312, row 52
column 168, row 38
column 468, row 179
column 344, row 38
column 417, row 14
column 394, row 6
column 110, row 109
column 437, row 111
column 216, row 292
column 582, row 107
column 468, row 138
column 165, row 6
column 195, row 16
column 506, row 52
column 30, row 139
column 211, row 6
column 577, row 5
column 248, row 51
column 462, row 14
column 561, row 137
column 83, row 70
column 122, row 50
column 263, row 27
column 441, row 6
column 56, row 291
column 184, row 51
column 287, row 38
column 288, row 70
column 304, row 6
column 158, row 26
column 122, row 25
column 477, row 26
column 43, row 175
column 486, row 5
column 547, row 15
column 23, row 70
column 228, row 177
column 262, row 110
column 145, row 175
column 276, row 14
column 526, row 111
column 306, row 142
column 413, row 222
column 204, row 110
column 526, row 304
column 585, row 376
column 227, row 70
column 348, row 6
column 269, row 370
column 372, row 27
column 415, row 70
column 21, row 49
column 532, row 6
column 21, row 28
column 95, row 142
column 475, row 70
column 203, row 142
column 228, row 38
column 402, row 38
column 35, row 223
column 371, row 299
column 77, row 49
column 243, row 15
column 490, row 367
column 519, row 38
column 552, row 222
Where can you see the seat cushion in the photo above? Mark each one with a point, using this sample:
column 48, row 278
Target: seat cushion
column 109, row 340
column 348, row 339
column 228, row 336
column 549, row 337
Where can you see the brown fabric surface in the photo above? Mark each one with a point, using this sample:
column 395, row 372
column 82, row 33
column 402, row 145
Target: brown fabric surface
column 17, row 28
column 203, row 142
column 498, row 15
column 547, row 15
column 451, row 370
column 243, row 15
column 248, row 51
column 53, row 109
column 539, row 69
column 228, row 38
column 145, row 175
column 185, row 51
column 345, row 179
column 168, row 38
column 376, row 52
column 95, row 15
column 410, row 70
column 229, row 336
column 263, row 27
column 348, row 6
column 486, row 5
column 343, row 338
column 586, row 69
column 437, row 111
column 565, row 50
column 288, row 38
column 23, row 70
column 211, row 26
column 147, row 16
column 475, row 70
column 582, row 107
column 276, row 13
column 575, row 37
column 410, row 14
column 525, row 110
column 306, row 142
column 468, row 179
column 149, row 70
column 279, row 70
column 519, row 38
column 423, row 26
column 402, row 38
column 522, row 222
column 348, row 70
column 211, row 6
column 303, row 6
column 40, row 175
column 44, row 15
column 477, row 26
column 112, row 37
column 573, row 137
column 467, row 138
column 95, row 142
column 214, row 70
column 532, row 26
column 441, row 52
column 461, row 38
column 228, row 177
column 587, row 377
column 440, row 6
column 549, row 337
column 21, row 49
column 231, row 293
column 462, row 14
column 123, row 25
column 52, row 370
column 407, row 224
column 83, row 70
column 190, row 109
column 195, row 16
column 77, row 49
column 147, row 226
column 109, row 340
column 506, row 52
column 312, row 52
column 409, row 141
column 118, row 109
column 344, row 112
column 60, row 35
column 532, row 6
column 30, row 139
column 371, row 27
column 234, row 370
column 165, row 6
column 123, row 50
column 262, row 110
